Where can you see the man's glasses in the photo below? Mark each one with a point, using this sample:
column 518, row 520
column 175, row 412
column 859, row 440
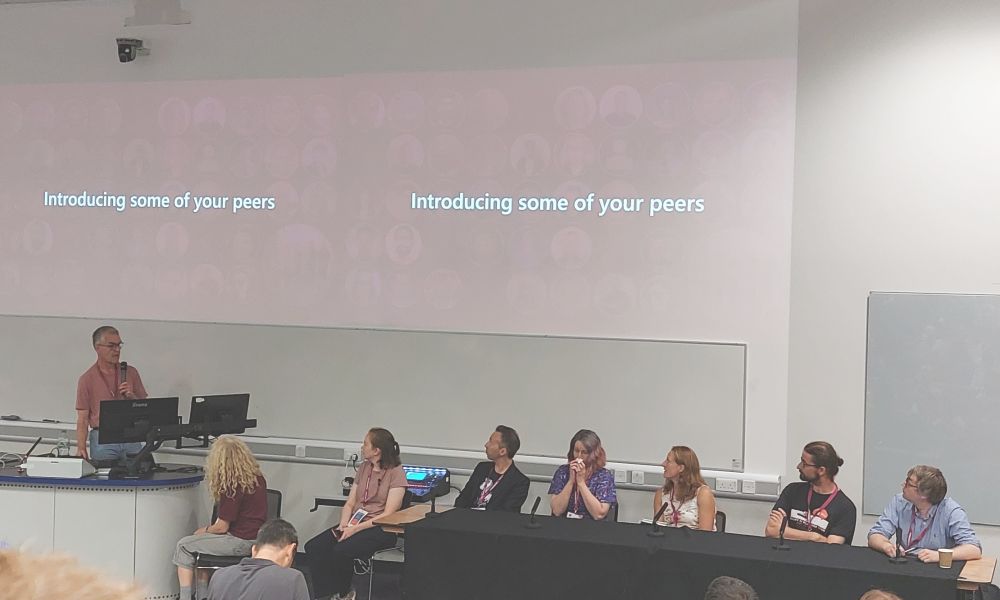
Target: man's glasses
column 117, row 346
column 803, row 463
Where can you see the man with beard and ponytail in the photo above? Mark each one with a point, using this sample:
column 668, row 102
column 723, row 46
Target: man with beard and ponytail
column 816, row 508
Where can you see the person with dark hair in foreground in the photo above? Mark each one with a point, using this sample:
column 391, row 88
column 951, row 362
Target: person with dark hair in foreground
column 730, row 588
column 927, row 518
column 817, row 510
column 378, row 490
column 265, row 575
column 497, row 484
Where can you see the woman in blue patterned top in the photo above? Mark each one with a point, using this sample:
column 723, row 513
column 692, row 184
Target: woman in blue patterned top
column 583, row 488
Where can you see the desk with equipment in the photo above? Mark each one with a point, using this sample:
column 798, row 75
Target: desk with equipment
column 126, row 527
column 458, row 555
column 126, row 519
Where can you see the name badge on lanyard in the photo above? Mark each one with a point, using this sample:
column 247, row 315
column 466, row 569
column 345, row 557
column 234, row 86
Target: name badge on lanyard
column 572, row 515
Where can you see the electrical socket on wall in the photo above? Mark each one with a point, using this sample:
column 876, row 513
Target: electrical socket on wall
column 723, row 484
column 638, row 477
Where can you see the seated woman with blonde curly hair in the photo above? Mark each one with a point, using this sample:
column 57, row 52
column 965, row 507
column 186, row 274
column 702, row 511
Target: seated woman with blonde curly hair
column 240, row 492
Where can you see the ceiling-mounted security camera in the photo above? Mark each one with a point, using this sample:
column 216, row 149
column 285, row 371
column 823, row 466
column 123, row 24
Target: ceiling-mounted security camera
column 129, row 48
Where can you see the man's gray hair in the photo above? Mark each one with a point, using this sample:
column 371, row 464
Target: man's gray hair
column 730, row 588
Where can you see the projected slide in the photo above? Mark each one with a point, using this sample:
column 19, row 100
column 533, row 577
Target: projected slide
column 499, row 200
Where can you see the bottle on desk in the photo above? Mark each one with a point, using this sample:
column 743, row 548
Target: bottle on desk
column 62, row 446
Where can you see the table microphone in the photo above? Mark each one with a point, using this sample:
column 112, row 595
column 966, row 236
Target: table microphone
column 781, row 545
column 656, row 531
column 532, row 523
column 433, row 511
column 900, row 551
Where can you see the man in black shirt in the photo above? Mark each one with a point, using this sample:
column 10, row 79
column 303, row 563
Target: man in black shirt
column 816, row 508
column 496, row 484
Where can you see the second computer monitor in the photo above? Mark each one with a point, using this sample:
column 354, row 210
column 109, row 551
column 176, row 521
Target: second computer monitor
column 226, row 412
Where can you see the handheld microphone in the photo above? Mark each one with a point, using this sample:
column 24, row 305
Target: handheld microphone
column 122, row 371
column 900, row 551
column 532, row 524
column 781, row 545
column 656, row 531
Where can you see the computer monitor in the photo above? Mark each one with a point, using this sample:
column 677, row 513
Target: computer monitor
column 227, row 413
column 128, row 421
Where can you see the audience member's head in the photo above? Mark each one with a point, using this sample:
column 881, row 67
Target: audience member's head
column 930, row 482
column 276, row 541
column 730, row 588
column 40, row 577
column 879, row 595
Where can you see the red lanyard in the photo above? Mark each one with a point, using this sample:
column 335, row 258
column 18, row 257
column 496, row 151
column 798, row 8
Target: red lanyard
column 809, row 511
column 486, row 491
column 675, row 515
column 910, row 542
column 371, row 471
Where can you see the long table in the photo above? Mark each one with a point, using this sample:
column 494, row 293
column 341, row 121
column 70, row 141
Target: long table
column 474, row 555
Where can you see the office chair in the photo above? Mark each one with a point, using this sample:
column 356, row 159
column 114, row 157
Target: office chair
column 213, row 563
column 720, row 521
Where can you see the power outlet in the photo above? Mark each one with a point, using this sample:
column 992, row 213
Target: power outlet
column 749, row 486
column 300, row 451
column 621, row 476
column 638, row 477
column 723, row 484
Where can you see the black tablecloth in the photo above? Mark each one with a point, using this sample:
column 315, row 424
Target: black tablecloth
column 475, row 555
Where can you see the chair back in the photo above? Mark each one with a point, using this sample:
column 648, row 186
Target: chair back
column 613, row 513
column 720, row 521
column 273, row 504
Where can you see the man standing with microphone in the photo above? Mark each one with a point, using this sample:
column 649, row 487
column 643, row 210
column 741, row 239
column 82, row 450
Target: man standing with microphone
column 107, row 379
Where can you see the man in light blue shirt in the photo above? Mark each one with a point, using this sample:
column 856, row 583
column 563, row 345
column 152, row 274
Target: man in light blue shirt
column 927, row 520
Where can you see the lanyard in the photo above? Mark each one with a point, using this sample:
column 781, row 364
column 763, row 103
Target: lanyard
column 809, row 511
column 675, row 515
column 910, row 541
column 111, row 386
column 371, row 471
column 487, row 489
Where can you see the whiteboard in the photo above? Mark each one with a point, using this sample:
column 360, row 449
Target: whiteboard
column 433, row 389
column 932, row 396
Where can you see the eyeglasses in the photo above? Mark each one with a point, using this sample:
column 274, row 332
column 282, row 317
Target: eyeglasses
column 117, row 346
column 803, row 463
column 907, row 484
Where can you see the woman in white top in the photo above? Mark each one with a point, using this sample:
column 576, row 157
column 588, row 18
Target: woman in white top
column 690, row 502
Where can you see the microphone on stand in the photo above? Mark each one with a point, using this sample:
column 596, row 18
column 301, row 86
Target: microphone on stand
column 532, row 523
column 900, row 557
column 656, row 531
column 781, row 545
column 433, row 512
